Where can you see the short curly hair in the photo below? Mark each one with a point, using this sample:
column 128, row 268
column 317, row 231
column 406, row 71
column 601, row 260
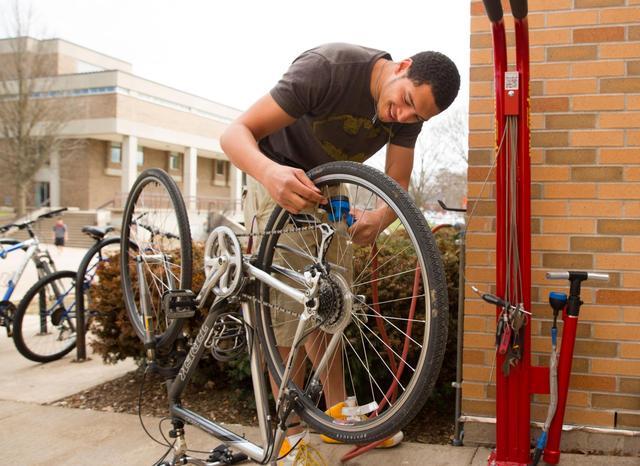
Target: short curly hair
column 439, row 71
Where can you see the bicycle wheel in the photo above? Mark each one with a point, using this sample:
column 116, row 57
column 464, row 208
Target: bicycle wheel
column 87, row 277
column 44, row 327
column 385, row 305
column 155, row 219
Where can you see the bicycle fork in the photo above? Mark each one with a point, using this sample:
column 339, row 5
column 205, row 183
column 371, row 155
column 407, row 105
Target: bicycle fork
column 149, row 340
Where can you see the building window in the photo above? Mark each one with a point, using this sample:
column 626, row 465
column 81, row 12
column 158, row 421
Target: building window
column 115, row 153
column 174, row 161
column 220, row 171
column 140, row 156
column 220, row 168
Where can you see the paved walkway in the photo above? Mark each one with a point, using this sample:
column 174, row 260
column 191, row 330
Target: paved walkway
column 35, row 434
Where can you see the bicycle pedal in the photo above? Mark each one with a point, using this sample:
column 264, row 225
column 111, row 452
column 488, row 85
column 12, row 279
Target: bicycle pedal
column 179, row 304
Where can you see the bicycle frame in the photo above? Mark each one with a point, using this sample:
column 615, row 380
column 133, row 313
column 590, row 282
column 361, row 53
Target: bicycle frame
column 268, row 451
column 44, row 267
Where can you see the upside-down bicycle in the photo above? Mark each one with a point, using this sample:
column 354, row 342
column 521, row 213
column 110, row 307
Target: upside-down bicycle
column 377, row 315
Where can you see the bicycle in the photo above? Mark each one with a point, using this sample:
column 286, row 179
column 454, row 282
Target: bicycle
column 101, row 251
column 58, row 300
column 32, row 252
column 377, row 314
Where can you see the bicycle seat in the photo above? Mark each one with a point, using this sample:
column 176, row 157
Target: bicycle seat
column 96, row 233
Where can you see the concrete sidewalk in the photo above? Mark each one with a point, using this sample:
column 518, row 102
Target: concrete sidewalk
column 34, row 434
column 49, row 435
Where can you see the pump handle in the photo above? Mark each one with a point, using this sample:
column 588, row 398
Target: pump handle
column 566, row 275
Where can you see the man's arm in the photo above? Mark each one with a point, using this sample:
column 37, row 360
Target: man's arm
column 399, row 164
column 288, row 186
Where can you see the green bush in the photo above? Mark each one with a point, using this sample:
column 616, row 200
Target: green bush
column 115, row 339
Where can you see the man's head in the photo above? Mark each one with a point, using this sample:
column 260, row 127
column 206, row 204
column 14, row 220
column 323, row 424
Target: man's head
column 417, row 88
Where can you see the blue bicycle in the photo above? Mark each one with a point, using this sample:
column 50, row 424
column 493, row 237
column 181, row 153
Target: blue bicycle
column 32, row 252
column 46, row 321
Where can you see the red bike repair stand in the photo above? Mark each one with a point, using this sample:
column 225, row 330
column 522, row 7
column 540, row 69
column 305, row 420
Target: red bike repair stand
column 513, row 221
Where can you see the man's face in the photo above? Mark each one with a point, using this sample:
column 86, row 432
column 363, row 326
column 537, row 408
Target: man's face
column 401, row 101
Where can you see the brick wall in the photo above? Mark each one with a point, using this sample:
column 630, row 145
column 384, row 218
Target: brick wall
column 585, row 166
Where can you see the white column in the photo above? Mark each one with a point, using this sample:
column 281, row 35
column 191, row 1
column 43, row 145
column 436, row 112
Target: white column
column 190, row 176
column 235, row 180
column 129, row 162
column 54, row 179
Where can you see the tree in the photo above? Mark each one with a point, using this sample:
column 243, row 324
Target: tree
column 31, row 118
column 441, row 161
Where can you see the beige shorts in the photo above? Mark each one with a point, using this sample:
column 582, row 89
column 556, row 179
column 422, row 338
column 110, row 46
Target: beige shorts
column 258, row 204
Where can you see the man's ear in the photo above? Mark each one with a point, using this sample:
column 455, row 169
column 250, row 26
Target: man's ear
column 403, row 66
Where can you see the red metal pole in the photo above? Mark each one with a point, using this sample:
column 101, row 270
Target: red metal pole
column 512, row 391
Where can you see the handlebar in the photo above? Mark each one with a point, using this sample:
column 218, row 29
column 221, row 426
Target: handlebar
column 23, row 225
column 157, row 231
column 568, row 275
column 450, row 209
column 494, row 10
column 519, row 8
column 51, row 213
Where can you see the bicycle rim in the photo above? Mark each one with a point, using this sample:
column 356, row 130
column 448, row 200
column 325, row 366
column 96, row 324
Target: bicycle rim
column 97, row 257
column 155, row 219
column 391, row 346
column 45, row 323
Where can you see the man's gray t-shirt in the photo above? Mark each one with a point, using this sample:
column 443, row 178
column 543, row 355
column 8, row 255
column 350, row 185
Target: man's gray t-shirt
column 327, row 90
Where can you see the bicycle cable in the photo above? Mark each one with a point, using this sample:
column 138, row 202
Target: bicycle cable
column 144, row 376
column 160, row 461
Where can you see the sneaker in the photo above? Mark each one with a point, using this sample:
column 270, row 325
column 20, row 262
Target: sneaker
column 302, row 455
column 291, row 446
column 349, row 410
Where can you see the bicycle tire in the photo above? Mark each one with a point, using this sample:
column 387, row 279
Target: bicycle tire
column 22, row 334
column 83, row 269
column 431, row 352
column 166, row 330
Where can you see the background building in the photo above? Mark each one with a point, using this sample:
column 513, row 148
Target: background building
column 125, row 124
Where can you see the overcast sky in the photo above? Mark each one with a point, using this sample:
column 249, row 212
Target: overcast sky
column 234, row 51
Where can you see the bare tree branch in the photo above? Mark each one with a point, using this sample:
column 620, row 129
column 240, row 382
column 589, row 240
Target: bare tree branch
column 32, row 114
column 441, row 160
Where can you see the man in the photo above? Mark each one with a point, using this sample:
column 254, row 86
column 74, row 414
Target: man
column 337, row 102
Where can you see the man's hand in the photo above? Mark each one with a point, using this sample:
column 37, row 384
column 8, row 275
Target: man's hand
column 291, row 188
column 369, row 224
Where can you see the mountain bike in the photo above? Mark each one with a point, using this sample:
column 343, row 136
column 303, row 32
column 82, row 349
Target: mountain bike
column 375, row 314
column 47, row 319
column 31, row 252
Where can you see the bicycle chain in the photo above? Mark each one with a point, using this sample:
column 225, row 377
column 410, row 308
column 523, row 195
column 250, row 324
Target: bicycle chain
column 276, row 232
column 275, row 307
column 281, row 231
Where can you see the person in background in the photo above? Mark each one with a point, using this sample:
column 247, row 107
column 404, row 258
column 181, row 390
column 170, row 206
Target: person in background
column 59, row 235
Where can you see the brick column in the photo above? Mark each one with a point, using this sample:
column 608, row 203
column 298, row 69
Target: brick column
column 190, row 176
column 54, row 179
column 585, row 168
column 129, row 162
column 235, row 180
